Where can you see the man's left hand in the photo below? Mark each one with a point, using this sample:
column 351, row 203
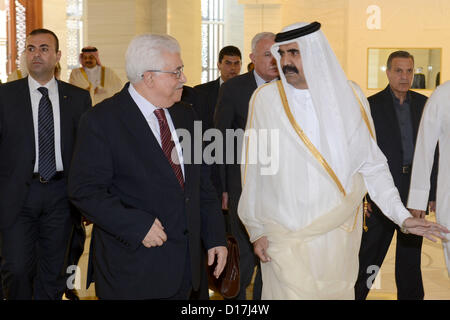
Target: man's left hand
column 221, row 252
column 424, row 228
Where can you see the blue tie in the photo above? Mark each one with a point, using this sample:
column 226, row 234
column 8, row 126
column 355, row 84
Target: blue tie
column 47, row 163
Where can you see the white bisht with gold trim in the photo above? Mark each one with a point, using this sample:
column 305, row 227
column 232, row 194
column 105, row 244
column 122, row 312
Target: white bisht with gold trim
column 107, row 85
column 308, row 204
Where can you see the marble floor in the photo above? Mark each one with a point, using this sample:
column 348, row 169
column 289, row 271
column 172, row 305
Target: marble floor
column 435, row 277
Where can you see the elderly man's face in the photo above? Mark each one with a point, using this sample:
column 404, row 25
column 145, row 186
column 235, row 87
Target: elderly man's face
column 167, row 86
column 400, row 75
column 88, row 60
column 291, row 64
column 264, row 62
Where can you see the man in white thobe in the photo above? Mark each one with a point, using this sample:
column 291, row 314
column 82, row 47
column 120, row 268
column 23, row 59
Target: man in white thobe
column 434, row 127
column 302, row 209
column 101, row 82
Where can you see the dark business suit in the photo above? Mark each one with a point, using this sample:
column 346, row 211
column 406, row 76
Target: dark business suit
column 375, row 242
column 231, row 113
column 197, row 100
column 33, row 214
column 121, row 181
column 211, row 91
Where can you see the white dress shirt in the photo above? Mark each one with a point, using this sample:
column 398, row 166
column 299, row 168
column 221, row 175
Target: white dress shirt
column 35, row 96
column 260, row 81
column 148, row 111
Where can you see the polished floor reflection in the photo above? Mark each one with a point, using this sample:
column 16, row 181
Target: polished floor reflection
column 435, row 278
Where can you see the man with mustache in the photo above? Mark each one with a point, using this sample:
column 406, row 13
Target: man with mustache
column 101, row 81
column 305, row 219
column 231, row 113
column 153, row 208
column 396, row 113
column 39, row 118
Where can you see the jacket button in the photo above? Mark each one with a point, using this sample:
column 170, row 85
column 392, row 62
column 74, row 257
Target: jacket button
column 187, row 200
column 186, row 232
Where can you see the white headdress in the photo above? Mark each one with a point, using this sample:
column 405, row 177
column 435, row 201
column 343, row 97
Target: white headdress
column 334, row 101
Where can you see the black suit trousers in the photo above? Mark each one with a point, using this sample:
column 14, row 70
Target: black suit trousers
column 33, row 249
column 374, row 247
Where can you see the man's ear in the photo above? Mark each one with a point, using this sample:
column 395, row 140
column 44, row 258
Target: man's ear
column 58, row 56
column 252, row 57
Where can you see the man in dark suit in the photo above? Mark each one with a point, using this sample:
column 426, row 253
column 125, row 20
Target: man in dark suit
column 229, row 66
column 38, row 123
column 396, row 113
column 231, row 113
column 151, row 206
column 203, row 99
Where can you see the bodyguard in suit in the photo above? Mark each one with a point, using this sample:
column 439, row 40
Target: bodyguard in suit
column 229, row 65
column 39, row 117
column 231, row 113
column 396, row 113
column 151, row 205
column 203, row 98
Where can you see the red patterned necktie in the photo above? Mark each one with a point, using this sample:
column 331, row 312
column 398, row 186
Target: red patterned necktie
column 168, row 146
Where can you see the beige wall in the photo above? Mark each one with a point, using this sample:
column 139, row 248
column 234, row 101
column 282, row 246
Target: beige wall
column 404, row 24
column 110, row 25
column 52, row 11
column 184, row 23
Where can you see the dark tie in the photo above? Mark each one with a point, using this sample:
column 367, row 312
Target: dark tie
column 47, row 163
column 168, row 146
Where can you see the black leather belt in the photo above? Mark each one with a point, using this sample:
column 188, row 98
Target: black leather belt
column 58, row 176
column 406, row 169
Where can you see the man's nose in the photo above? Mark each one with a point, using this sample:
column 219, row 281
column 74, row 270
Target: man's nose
column 183, row 78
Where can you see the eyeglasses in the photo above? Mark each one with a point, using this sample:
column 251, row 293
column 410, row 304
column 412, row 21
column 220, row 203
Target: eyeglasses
column 177, row 73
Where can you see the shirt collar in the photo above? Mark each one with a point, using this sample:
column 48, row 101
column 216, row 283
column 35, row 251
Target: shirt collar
column 146, row 107
column 259, row 81
column 397, row 100
column 52, row 85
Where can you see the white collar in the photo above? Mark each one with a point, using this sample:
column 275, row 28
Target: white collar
column 146, row 107
column 51, row 85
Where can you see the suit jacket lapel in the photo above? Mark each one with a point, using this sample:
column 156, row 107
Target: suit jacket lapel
column 416, row 114
column 391, row 115
column 146, row 143
column 64, row 122
column 26, row 110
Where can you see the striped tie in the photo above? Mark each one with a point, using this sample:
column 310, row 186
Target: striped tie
column 168, row 145
column 47, row 163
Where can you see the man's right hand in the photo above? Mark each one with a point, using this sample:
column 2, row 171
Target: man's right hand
column 156, row 236
column 417, row 213
column 260, row 247
column 225, row 201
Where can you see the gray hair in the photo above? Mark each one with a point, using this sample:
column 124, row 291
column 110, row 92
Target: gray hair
column 260, row 36
column 145, row 53
column 398, row 54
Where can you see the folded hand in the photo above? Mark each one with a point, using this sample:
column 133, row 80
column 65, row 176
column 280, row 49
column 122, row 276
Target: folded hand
column 156, row 235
